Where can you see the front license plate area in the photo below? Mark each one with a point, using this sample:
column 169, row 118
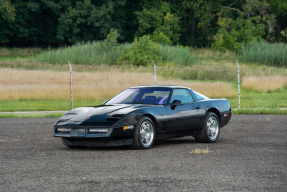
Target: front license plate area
column 78, row 132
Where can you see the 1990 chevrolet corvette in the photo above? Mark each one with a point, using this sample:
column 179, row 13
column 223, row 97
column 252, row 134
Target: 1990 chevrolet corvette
column 140, row 115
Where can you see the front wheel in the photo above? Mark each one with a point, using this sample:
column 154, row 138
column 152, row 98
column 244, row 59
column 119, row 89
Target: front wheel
column 210, row 130
column 144, row 134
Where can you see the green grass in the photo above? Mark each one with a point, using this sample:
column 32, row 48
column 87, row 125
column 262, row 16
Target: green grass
column 177, row 55
column 252, row 99
column 246, row 111
column 13, row 53
column 44, row 105
column 92, row 53
column 87, row 54
column 65, row 105
column 9, row 58
column 30, row 115
column 197, row 73
column 207, row 65
column 271, row 54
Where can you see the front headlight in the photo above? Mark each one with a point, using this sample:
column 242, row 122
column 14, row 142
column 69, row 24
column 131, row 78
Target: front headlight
column 63, row 129
column 98, row 130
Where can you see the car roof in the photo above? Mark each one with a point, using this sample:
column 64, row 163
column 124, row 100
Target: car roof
column 159, row 86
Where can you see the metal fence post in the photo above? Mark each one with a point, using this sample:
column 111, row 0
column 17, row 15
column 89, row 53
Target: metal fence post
column 154, row 71
column 71, row 88
column 238, row 84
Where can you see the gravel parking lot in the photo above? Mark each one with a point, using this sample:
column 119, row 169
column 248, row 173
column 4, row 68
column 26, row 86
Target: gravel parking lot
column 250, row 155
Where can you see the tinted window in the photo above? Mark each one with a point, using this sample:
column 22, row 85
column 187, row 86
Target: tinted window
column 199, row 96
column 141, row 96
column 181, row 94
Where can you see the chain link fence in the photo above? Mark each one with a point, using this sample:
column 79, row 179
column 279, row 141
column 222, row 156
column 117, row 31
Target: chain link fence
column 48, row 88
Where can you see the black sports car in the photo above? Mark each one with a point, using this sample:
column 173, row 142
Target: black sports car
column 141, row 114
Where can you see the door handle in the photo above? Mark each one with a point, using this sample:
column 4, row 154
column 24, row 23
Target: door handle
column 197, row 107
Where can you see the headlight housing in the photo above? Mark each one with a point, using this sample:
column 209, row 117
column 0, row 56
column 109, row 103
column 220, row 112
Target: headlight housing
column 98, row 130
column 65, row 130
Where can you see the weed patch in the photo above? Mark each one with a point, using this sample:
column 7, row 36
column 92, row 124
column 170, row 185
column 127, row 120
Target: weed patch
column 200, row 150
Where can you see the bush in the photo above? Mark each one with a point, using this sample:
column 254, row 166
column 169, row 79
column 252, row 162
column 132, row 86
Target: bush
column 110, row 41
column 142, row 51
column 233, row 33
column 161, row 38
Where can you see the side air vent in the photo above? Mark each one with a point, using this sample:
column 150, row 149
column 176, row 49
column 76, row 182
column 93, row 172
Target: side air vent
column 115, row 117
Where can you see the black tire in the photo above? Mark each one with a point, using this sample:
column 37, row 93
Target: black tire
column 144, row 134
column 210, row 130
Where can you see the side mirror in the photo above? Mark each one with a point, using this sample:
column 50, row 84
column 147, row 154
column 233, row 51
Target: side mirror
column 105, row 102
column 175, row 103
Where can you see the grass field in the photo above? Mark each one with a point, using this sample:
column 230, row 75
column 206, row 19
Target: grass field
column 265, row 83
column 35, row 86
column 45, row 105
column 30, row 90
column 50, row 90
column 59, row 114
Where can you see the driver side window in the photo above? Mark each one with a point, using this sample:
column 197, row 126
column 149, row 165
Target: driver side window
column 181, row 94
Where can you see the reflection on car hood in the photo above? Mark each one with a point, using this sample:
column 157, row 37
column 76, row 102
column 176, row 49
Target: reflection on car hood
column 99, row 113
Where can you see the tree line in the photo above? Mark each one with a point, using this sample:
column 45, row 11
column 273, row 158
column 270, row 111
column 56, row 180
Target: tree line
column 222, row 24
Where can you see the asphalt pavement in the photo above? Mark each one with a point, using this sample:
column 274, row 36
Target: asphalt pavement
column 250, row 155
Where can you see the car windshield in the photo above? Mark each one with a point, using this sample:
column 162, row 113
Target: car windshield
column 141, row 96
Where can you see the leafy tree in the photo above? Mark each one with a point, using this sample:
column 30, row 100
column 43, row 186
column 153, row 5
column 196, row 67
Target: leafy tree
column 198, row 20
column 246, row 27
column 125, row 16
column 157, row 18
column 279, row 8
column 35, row 24
column 186, row 22
column 86, row 22
column 7, row 12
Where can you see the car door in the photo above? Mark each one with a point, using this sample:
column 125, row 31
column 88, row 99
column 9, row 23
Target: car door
column 185, row 117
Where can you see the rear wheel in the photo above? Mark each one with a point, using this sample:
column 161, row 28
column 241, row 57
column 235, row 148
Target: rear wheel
column 210, row 130
column 144, row 134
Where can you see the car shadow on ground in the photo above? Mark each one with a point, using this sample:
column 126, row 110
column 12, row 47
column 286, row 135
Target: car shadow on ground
column 158, row 144
column 174, row 141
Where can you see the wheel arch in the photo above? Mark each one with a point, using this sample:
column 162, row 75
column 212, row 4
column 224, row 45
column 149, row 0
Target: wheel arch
column 152, row 118
column 216, row 111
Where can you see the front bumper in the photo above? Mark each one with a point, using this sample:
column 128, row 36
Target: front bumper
column 81, row 132
column 83, row 136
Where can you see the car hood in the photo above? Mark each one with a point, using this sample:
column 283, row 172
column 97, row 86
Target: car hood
column 100, row 113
